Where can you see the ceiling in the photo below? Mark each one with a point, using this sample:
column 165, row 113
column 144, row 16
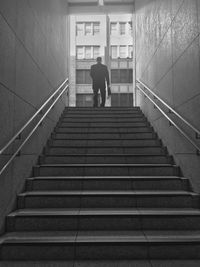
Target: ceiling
column 96, row 2
column 96, row 7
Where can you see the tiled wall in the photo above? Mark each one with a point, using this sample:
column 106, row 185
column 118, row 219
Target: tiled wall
column 33, row 62
column 168, row 60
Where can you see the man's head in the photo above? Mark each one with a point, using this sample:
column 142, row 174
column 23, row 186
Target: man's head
column 99, row 59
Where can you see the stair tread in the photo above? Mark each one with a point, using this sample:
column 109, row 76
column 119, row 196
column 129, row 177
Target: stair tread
column 108, row 211
column 104, row 139
column 106, row 164
column 105, row 146
column 106, row 155
column 107, row 177
column 116, row 193
column 100, row 237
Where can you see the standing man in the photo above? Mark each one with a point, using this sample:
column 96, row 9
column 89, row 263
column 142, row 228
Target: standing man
column 100, row 77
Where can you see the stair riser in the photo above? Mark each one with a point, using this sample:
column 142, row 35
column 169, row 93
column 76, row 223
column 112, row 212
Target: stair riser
column 102, row 125
column 104, row 150
column 106, row 160
column 102, row 120
column 102, row 136
column 33, row 252
column 102, row 112
column 114, row 116
column 98, row 184
column 106, row 201
column 102, row 223
column 100, row 251
column 105, row 171
column 100, row 143
column 104, row 130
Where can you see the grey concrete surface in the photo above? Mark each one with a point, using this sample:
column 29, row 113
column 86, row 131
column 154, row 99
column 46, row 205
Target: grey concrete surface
column 167, row 60
column 33, row 56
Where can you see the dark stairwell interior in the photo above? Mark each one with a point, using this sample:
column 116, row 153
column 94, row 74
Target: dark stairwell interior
column 104, row 188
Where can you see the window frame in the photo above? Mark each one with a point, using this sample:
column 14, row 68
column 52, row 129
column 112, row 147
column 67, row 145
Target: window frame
column 90, row 28
column 83, row 29
column 117, row 78
column 125, row 52
column 98, row 29
column 84, row 76
column 115, row 32
column 78, row 47
column 120, row 28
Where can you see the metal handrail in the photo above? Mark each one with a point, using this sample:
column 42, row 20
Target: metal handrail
column 37, row 125
column 31, row 119
column 170, row 108
column 171, row 121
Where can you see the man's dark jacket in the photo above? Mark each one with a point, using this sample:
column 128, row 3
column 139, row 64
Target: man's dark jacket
column 99, row 74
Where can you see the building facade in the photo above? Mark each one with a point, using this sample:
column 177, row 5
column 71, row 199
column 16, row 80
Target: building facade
column 108, row 36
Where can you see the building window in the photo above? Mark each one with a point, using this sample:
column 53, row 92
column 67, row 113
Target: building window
column 115, row 76
column 96, row 51
column 122, row 76
column 122, row 100
column 84, row 100
column 96, row 28
column 88, row 28
column 122, row 28
column 83, row 77
column 130, row 51
column 114, row 51
column 80, row 52
column 130, row 28
column 88, row 52
column 113, row 28
column 79, row 29
column 123, row 51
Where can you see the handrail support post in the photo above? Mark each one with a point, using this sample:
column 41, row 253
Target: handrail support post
column 19, row 154
column 19, row 137
column 197, row 136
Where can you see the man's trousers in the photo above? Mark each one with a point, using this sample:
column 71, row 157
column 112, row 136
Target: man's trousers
column 103, row 95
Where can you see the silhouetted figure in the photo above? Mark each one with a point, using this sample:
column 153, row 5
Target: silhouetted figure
column 100, row 77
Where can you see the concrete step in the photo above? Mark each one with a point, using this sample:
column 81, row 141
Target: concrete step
column 103, row 124
column 103, row 136
column 151, row 150
column 106, row 110
column 52, row 183
column 102, row 116
column 104, row 143
column 102, row 130
column 102, row 112
column 105, row 159
column 106, row 170
column 103, row 219
column 100, row 245
column 101, row 108
column 107, row 199
column 95, row 119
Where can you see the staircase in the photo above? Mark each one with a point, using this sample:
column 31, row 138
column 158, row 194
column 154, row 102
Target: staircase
column 104, row 188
